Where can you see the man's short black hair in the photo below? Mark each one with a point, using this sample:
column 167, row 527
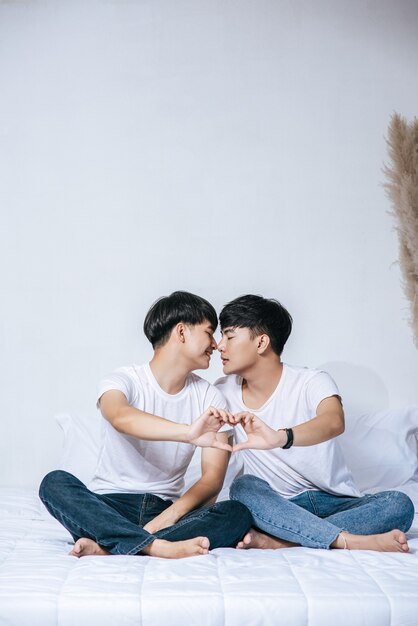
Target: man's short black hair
column 168, row 311
column 260, row 316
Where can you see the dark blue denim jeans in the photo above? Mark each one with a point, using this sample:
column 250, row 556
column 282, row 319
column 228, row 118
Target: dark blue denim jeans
column 315, row 518
column 115, row 520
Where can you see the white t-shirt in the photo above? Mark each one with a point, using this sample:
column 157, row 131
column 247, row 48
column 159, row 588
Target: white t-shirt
column 131, row 465
column 294, row 401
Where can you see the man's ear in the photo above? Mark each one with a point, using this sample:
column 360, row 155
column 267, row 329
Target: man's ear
column 179, row 331
column 263, row 342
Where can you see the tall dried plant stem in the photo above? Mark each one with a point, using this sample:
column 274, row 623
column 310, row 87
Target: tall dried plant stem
column 402, row 189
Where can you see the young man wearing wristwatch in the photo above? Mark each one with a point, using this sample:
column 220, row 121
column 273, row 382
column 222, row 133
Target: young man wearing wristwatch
column 296, row 483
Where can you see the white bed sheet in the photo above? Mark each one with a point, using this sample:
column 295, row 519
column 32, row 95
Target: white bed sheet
column 40, row 584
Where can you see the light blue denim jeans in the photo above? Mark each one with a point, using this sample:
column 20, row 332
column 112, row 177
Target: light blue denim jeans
column 315, row 518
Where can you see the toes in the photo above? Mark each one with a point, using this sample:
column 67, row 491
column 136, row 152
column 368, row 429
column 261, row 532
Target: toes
column 205, row 543
column 76, row 549
column 74, row 553
column 400, row 537
column 78, row 546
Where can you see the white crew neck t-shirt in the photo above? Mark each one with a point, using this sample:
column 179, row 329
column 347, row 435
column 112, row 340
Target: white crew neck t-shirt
column 131, row 465
column 294, row 401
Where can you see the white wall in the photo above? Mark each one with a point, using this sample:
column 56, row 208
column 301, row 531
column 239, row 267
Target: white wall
column 223, row 147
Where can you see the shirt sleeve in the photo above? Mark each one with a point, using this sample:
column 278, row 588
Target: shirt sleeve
column 320, row 386
column 120, row 380
column 215, row 398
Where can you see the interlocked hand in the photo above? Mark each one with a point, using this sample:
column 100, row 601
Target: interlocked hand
column 203, row 431
column 260, row 436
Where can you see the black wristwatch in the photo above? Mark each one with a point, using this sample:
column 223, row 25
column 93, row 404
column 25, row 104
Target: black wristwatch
column 289, row 442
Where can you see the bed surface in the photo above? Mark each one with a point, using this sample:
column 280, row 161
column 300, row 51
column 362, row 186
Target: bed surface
column 41, row 584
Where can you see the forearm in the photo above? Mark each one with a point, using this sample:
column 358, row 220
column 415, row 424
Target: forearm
column 136, row 423
column 317, row 430
column 328, row 423
column 202, row 492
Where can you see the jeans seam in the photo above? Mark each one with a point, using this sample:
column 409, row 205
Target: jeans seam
column 298, row 534
column 71, row 520
column 134, row 550
column 164, row 532
column 313, row 504
column 148, row 500
column 140, row 546
column 141, row 510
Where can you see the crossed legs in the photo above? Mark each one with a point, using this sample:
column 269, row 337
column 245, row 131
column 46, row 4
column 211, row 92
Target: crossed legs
column 113, row 523
column 320, row 520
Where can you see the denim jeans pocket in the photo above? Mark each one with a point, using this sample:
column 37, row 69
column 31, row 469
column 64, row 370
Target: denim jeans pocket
column 152, row 506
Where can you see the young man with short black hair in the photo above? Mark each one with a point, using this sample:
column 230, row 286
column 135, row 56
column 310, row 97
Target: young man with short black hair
column 134, row 504
column 296, row 483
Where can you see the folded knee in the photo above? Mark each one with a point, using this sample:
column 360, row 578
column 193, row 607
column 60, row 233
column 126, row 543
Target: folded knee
column 399, row 509
column 243, row 485
column 243, row 515
column 53, row 483
column 405, row 509
column 238, row 512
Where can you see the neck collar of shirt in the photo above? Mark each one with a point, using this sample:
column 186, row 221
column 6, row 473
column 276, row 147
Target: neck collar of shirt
column 269, row 399
column 172, row 397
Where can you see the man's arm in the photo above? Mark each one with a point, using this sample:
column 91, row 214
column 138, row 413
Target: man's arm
column 131, row 421
column 327, row 424
column 204, row 491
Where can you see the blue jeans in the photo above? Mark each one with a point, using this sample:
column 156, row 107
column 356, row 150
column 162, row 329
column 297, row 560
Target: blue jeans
column 315, row 518
column 115, row 520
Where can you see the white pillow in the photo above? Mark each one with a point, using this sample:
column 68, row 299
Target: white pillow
column 381, row 448
column 19, row 502
column 82, row 439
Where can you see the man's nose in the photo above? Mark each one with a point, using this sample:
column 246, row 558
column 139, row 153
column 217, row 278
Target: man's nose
column 221, row 345
column 214, row 344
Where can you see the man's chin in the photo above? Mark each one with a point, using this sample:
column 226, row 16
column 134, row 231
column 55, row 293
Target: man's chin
column 230, row 370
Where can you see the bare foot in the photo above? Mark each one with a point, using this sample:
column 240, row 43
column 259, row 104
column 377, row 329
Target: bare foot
column 86, row 547
column 177, row 549
column 392, row 541
column 256, row 539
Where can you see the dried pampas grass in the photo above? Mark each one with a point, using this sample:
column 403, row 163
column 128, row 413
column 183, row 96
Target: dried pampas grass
column 402, row 189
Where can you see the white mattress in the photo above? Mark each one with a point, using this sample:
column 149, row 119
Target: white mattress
column 41, row 585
